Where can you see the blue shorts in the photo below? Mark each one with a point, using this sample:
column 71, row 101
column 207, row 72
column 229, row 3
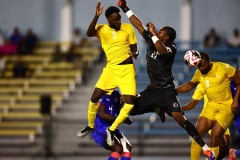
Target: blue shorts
column 237, row 121
column 99, row 138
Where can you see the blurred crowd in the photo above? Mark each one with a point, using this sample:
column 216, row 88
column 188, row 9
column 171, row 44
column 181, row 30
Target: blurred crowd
column 19, row 43
column 212, row 39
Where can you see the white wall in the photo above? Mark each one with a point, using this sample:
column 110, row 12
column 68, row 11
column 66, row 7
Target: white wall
column 44, row 15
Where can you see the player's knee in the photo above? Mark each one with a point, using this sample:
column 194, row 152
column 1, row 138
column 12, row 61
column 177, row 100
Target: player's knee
column 97, row 94
column 117, row 149
column 129, row 148
column 129, row 99
column 127, row 108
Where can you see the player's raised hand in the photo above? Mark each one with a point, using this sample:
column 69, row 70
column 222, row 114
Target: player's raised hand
column 134, row 54
column 99, row 9
column 151, row 27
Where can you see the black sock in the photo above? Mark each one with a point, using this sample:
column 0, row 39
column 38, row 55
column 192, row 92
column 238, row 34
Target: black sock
column 223, row 152
column 192, row 131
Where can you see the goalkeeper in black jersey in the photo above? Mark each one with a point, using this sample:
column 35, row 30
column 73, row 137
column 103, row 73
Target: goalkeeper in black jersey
column 161, row 92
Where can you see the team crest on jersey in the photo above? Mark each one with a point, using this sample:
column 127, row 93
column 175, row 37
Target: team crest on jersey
column 175, row 105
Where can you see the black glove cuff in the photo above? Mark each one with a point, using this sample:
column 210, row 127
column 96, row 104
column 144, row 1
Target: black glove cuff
column 125, row 9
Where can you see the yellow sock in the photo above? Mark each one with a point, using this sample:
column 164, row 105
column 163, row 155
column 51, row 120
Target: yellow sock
column 92, row 110
column 216, row 151
column 125, row 111
column 196, row 150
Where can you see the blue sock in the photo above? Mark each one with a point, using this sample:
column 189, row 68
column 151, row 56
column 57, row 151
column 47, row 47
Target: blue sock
column 111, row 158
column 237, row 153
column 125, row 158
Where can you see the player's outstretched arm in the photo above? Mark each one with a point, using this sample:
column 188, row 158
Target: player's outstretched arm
column 91, row 28
column 131, row 16
column 190, row 105
column 188, row 86
column 103, row 115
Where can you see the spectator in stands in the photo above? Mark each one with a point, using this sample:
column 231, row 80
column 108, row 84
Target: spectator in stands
column 219, row 112
column 94, row 42
column 109, row 107
column 31, row 39
column 16, row 36
column 234, row 40
column 20, row 70
column 77, row 38
column 22, row 47
column 1, row 38
column 2, row 64
column 71, row 55
column 58, row 56
column 8, row 48
column 212, row 39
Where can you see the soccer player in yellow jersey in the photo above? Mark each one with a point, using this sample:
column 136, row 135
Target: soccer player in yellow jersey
column 195, row 148
column 119, row 43
column 221, row 107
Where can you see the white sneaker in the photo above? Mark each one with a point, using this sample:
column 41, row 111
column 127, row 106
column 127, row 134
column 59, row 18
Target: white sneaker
column 84, row 131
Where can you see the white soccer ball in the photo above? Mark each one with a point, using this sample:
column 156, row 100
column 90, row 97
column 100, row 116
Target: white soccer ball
column 192, row 58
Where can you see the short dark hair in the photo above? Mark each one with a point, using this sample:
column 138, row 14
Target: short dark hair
column 171, row 33
column 110, row 10
column 204, row 55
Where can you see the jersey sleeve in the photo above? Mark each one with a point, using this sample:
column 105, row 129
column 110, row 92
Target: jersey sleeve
column 229, row 70
column 172, row 48
column 132, row 35
column 147, row 37
column 103, row 100
column 196, row 76
column 198, row 93
column 98, row 27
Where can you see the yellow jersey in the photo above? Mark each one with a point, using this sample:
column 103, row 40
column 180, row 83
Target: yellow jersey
column 216, row 83
column 116, row 44
column 199, row 94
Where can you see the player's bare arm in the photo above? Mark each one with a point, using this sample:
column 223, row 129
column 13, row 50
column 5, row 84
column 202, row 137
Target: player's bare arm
column 159, row 37
column 103, row 115
column 190, row 105
column 134, row 51
column 133, row 18
column 186, row 87
column 159, row 45
column 91, row 29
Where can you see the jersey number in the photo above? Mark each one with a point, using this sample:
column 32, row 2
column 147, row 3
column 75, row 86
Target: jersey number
column 207, row 83
column 114, row 36
column 110, row 108
column 154, row 55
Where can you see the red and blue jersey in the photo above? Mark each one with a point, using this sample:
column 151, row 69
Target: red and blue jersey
column 237, row 117
column 112, row 105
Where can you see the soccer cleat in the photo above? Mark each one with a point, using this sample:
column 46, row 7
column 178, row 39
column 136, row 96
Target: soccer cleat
column 210, row 154
column 110, row 137
column 232, row 155
column 84, row 131
column 162, row 116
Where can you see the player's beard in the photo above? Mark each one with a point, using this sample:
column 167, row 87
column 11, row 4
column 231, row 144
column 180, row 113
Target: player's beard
column 205, row 71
